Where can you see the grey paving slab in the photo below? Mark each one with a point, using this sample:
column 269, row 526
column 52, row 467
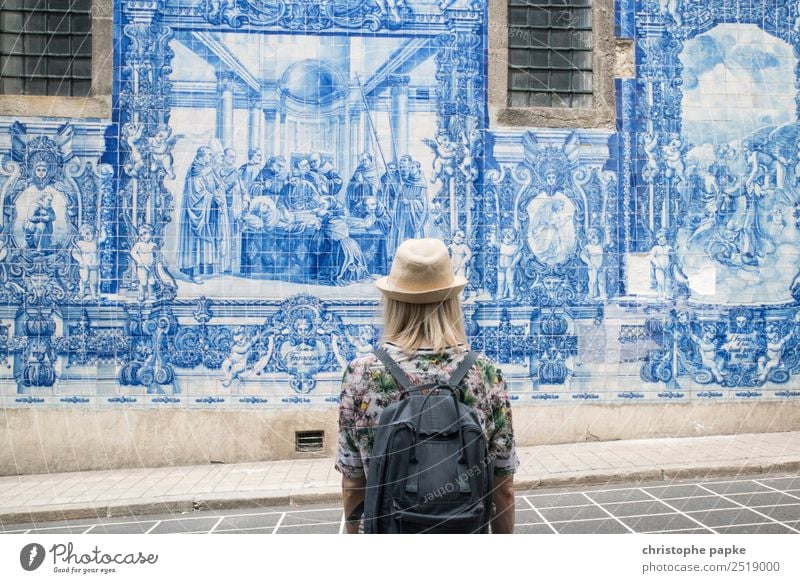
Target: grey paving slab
column 533, row 529
column 572, row 513
column 60, row 530
column 332, row 528
column 245, row 531
column 782, row 483
column 616, row 496
column 659, row 523
column 129, row 528
column 676, row 491
column 767, row 528
column 558, row 500
column 701, row 503
column 732, row 517
column 607, row 526
column 245, row 522
column 528, row 516
column 306, row 518
column 681, row 531
column 763, row 499
column 744, row 487
column 185, row 525
column 787, row 513
column 637, row 508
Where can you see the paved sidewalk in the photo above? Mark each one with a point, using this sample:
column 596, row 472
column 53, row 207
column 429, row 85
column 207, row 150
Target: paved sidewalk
column 42, row 497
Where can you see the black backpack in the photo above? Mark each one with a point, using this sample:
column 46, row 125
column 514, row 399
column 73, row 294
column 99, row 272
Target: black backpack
column 430, row 470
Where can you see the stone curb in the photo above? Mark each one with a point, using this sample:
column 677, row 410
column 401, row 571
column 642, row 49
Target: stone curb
column 322, row 495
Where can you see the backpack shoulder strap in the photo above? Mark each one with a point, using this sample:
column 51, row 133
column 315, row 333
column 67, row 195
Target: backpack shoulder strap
column 393, row 369
column 463, row 368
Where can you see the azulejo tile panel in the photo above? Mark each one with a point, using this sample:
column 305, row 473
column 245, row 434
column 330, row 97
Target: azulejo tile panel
column 213, row 245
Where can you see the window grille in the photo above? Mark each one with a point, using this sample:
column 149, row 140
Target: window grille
column 46, row 47
column 550, row 53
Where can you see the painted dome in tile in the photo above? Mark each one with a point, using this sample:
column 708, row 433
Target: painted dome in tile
column 312, row 81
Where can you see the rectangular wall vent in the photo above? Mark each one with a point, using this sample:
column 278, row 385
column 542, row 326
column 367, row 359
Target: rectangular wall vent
column 307, row 441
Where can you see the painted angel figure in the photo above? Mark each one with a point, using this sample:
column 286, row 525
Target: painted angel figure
column 446, row 152
column 132, row 135
column 85, row 252
column 161, row 150
column 673, row 152
column 709, row 353
column 650, row 146
column 666, row 274
column 775, row 348
column 236, row 362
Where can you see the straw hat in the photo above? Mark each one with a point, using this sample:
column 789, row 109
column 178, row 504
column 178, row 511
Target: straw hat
column 421, row 273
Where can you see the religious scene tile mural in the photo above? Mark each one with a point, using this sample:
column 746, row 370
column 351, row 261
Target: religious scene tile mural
column 213, row 244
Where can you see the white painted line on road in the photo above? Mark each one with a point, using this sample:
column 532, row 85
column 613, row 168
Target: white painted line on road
column 341, row 523
column 753, row 510
column 216, row 524
column 679, row 511
column 88, row 529
column 607, row 512
column 780, row 491
column 274, row 530
column 149, row 530
column 536, row 510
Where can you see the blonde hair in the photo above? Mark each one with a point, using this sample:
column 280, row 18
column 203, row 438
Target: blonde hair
column 414, row 326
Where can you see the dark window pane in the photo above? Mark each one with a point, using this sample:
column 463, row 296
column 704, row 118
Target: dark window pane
column 13, row 4
column 35, row 66
column 82, row 5
column 560, row 39
column 517, row 16
column 11, row 21
column 59, row 45
column 11, row 66
column 57, row 4
column 12, row 85
column 582, row 59
column 560, row 80
column 57, row 22
column 517, row 99
column 540, row 100
column 58, row 87
column 81, row 23
column 540, row 58
column 81, row 88
column 561, row 100
column 539, row 17
column 35, row 43
column 562, row 59
column 518, row 58
column 58, row 66
column 82, row 68
column 36, row 22
column 539, row 80
column 36, row 86
column 582, row 100
column 519, row 80
column 10, row 43
column 582, row 39
column 582, row 81
column 82, row 46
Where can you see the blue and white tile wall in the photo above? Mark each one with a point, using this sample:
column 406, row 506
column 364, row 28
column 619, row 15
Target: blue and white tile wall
column 214, row 245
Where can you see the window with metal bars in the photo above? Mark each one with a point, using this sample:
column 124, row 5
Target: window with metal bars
column 550, row 53
column 46, row 47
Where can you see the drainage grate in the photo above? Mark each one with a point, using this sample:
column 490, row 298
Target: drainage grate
column 306, row 441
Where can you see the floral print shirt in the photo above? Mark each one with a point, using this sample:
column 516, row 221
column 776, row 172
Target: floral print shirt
column 367, row 388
